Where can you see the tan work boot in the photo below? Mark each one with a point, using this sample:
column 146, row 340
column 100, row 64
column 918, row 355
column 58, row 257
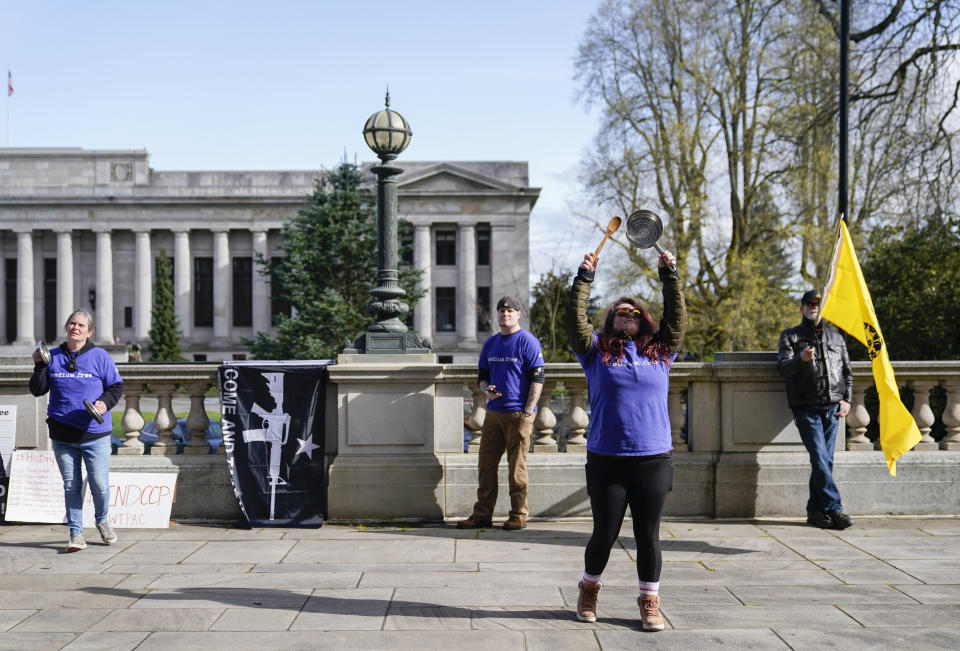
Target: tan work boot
column 650, row 612
column 475, row 522
column 515, row 523
column 587, row 601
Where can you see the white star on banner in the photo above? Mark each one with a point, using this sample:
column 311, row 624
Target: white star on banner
column 307, row 446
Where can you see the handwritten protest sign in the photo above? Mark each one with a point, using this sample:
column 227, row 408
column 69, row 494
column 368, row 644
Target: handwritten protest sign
column 137, row 499
column 8, row 433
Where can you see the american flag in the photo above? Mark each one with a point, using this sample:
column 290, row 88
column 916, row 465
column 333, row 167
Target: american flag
column 9, row 83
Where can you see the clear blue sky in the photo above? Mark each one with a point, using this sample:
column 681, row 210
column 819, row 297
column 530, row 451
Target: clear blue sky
column 288, row 85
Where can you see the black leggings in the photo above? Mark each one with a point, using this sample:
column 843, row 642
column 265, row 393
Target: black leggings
column 613, row 483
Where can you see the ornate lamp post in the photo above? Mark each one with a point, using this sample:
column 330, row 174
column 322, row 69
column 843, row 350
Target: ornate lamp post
column 387, row 134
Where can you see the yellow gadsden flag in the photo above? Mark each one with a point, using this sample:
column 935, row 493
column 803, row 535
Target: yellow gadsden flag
column 847, row 304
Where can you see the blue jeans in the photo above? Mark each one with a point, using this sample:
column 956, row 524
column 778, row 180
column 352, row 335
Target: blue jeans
column 95, row 455
column 818, row 430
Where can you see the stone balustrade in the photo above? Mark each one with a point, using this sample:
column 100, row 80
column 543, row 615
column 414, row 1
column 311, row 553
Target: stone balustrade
column 737, row 451
column 563, row 411
column 716, row 390
column 162, row 381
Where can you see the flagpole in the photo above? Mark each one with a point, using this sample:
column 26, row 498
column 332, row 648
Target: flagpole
column 8, row 105
column 842, row 207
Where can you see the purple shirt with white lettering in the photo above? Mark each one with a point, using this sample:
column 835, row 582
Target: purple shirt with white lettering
column 507, row 359
column 95, row 372
column 628, row 403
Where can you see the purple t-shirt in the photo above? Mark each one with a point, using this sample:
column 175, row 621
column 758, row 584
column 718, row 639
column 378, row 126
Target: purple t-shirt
column 507, row 359
column 95, row 372
column 628, row 403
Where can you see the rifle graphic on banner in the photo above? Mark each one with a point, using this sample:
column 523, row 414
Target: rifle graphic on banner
column 276, row 426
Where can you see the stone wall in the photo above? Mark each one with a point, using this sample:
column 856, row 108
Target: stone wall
column 396, row 426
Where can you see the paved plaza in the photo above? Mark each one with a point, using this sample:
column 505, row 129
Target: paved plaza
column 765, row 584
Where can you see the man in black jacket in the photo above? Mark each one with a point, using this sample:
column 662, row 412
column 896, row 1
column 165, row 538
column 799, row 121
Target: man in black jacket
column 816, row 365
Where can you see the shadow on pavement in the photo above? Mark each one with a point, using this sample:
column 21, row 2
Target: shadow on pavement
column 275, row 599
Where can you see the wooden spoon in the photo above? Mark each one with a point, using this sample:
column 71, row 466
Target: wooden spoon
column 611, row 229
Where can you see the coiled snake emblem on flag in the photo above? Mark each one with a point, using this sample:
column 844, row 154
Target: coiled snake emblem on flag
column 874, row 342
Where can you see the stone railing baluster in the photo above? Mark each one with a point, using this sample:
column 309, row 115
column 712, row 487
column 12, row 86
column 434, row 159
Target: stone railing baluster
column 545, row 421
column 922, row 414
column 576, row 419
column 951, row 417
column 857, row 420
column 165, row 420
column 475, row 422
column 675, row 410
column 197, row 420
column 132, row 420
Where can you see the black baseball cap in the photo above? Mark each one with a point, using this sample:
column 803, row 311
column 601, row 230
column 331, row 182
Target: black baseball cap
column 509, row 302
column 810, row 297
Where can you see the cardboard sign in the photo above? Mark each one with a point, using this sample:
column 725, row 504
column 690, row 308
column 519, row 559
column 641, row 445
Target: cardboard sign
column 137, row 499
column 8, row 433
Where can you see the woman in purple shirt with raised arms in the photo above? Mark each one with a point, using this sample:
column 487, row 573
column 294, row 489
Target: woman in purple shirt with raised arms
column 78, row 371
column 627, row 365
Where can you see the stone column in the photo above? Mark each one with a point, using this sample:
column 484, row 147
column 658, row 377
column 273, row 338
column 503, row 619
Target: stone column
column 261, row 285
column 143, row 287
column 467, row 284
column 423, row 260
column 221, row 286
column 25, row 312
column 3, row 285
column 104, row 287
column 503, row 281
column 64, row 275
column 181, row 282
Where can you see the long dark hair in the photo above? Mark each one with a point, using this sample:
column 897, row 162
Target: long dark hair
column 610, row 344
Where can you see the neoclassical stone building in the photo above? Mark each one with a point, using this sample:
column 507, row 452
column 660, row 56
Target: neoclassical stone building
column 84, row 228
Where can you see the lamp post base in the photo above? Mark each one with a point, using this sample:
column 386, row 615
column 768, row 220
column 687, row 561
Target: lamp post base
column 386, row 343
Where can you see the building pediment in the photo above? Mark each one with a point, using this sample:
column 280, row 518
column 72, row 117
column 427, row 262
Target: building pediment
column 448, row 177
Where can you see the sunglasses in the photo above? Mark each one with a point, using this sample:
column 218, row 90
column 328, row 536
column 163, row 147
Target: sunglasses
column 627, row 312
column 71, row 365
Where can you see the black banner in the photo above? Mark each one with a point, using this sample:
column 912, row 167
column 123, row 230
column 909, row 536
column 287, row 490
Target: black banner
column 4, row 489
column 272, row 415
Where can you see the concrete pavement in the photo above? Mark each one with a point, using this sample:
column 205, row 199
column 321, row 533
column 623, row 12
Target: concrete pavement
column 770, row 584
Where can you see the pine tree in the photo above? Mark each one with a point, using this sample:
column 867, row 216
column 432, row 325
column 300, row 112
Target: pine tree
column 165, row 334
column 330, row 264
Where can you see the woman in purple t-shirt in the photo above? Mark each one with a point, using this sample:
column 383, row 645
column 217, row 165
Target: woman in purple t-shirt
column 627, row 366
column 78, row 372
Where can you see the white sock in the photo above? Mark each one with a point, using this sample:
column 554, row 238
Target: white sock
column 590, row 578
column 649, row 588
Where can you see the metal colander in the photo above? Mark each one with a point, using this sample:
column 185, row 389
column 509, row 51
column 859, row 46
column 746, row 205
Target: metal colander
column 644, row 229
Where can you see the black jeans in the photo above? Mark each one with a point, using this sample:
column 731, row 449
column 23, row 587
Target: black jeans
column 613, row 483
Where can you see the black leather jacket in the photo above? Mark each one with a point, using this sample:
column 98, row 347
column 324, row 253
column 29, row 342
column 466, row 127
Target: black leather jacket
column 827, row 378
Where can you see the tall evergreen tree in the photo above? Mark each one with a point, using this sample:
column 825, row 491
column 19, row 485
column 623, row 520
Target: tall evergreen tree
column 165, row 334
column 329, row 266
